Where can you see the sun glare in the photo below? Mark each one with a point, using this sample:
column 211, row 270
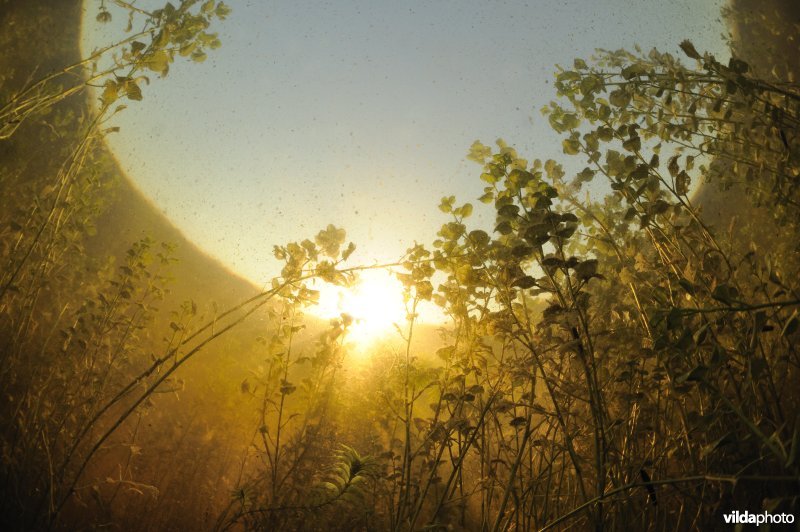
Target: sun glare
column 375, row 303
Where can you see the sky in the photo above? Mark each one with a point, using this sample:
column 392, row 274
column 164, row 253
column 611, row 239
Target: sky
column 361, row 113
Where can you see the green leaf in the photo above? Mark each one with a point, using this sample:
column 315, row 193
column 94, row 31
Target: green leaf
column 490, row 178
column 551, row 261
column 452, row 230
column 487, row 197
column 222, row 11
column 518, row 421
column 687, row 286
column 199, row 56
column 568, row 76
column 132, row 91
column 504, row 228
column 137, row 47
column 640, row 172
column 330, row 240
column 791, row 325
column 447, row 204
column 351, row 247
column 794, row 450
column 738, row 66
column 479, row 152
column 696, row 374
column 673, row 166
column 508, row 211
column 103, row 17
column 586, row 269
column 682, row 182
column 524, row 282
column 110, row 93
column 689, row 49
column 424, row 290
column 657, row 207
column 464, row 274
column 605, row 133
column 188, row 48
column 713, row 446
column 158, row 62
column 585, row 175
column 725, row 293
column 633, row 71
column 633, row 144
column 619, row 98
column 571, row 146
column 538, row 234
column 478, row 237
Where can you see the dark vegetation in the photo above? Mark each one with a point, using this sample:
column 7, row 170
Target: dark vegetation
column 622, row 362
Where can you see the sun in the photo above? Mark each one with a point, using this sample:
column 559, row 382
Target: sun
column 375, row 303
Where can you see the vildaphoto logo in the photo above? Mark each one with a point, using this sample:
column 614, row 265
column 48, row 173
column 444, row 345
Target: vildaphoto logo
column 743, row 518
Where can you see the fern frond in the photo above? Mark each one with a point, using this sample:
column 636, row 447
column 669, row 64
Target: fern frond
column 347, row 478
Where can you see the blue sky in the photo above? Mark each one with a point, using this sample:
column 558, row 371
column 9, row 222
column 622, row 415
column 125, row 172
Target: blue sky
column 360, row 114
